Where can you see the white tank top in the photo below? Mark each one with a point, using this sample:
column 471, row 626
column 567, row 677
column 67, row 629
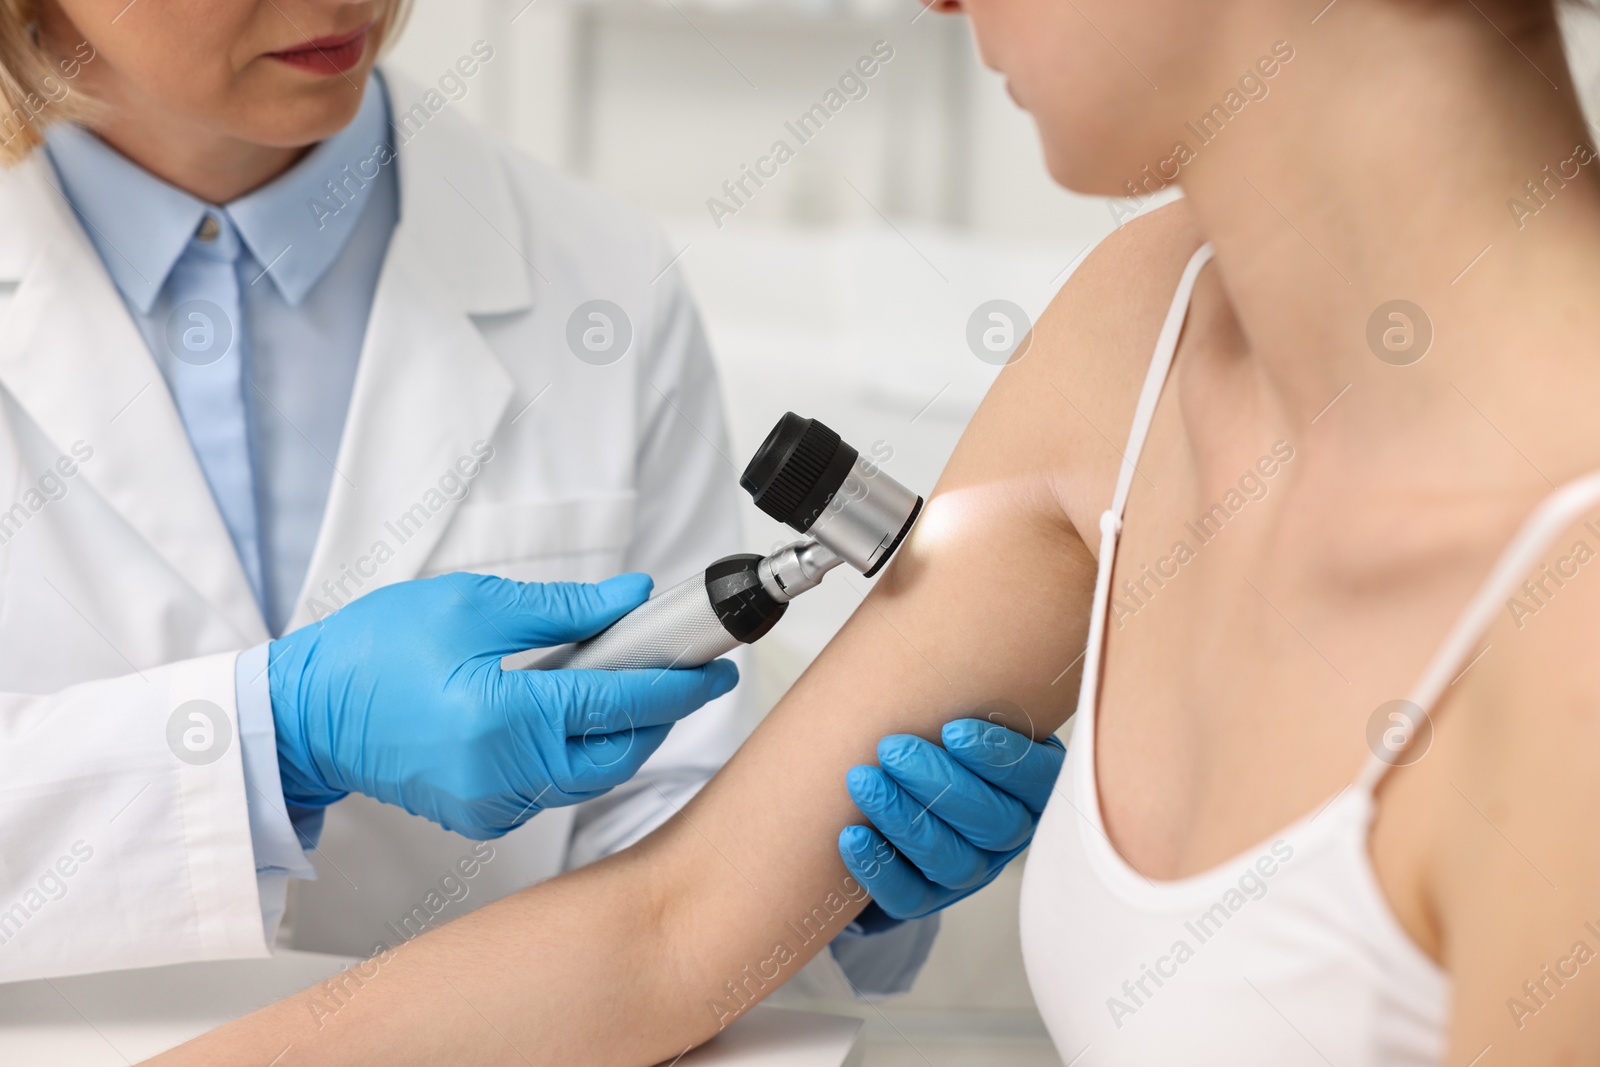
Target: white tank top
column 1288, row 953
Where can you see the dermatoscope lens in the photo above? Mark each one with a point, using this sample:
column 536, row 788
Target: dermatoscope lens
column 806, row 476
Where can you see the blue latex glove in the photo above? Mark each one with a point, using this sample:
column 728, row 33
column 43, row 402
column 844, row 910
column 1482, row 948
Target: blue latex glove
column 958, row 814
column 400, row 695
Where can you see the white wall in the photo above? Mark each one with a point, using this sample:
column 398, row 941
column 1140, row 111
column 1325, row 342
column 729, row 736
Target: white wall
column 662, row 100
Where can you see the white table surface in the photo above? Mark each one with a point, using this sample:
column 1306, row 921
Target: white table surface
column 112, row 1020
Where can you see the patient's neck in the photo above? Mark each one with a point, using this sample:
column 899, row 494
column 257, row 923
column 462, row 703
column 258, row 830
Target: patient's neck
column 1383, row 166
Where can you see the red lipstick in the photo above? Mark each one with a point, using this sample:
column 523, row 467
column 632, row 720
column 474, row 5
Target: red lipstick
column 327, row 56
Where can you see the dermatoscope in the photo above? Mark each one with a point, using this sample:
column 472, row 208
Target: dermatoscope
column 805, row 476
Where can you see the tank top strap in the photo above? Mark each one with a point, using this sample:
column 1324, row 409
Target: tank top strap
column 1111, row 518
column 1155, row 378
column 1460, row 647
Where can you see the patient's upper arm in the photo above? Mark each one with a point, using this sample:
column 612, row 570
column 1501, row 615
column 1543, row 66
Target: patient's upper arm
column 984, row 610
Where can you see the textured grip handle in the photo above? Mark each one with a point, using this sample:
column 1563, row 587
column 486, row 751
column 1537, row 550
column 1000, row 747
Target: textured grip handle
column 678, row 628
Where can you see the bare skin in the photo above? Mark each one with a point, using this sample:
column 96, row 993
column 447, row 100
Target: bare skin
column 1379, row 166
column 190, row 91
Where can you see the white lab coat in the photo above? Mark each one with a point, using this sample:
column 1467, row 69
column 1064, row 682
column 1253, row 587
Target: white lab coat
column 121, row 596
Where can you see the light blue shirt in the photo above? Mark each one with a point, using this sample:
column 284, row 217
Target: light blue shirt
column 307, row 275
column 314, row 241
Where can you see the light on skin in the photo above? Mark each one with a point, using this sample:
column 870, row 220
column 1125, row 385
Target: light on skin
column 955, row 520
column 942, row 521
column 210, row 95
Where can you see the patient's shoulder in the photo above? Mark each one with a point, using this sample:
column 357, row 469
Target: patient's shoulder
column 1490, row 852
column 1521, row 738
column 1066, row 405
column 1540, row 671
column 1129, row 277
column 1101, row 328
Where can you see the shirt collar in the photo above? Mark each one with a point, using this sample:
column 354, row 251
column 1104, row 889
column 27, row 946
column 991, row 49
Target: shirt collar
column 295, row 226
column 139, row 224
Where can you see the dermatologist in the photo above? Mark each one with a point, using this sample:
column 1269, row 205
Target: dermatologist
column 317, row 406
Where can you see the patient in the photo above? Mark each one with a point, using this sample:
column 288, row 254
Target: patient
column 1331, row 794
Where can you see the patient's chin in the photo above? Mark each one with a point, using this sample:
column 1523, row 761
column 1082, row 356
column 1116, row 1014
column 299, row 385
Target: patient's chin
column 1086, row 171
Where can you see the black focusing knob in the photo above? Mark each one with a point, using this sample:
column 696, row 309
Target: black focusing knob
column 743, row 605
column 797, row 470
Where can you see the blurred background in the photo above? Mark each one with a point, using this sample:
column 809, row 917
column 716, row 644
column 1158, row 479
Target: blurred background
column 849, row 276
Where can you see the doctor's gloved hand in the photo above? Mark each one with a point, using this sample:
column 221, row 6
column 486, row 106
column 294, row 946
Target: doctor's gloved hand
column 400, row 695
column 945, row 821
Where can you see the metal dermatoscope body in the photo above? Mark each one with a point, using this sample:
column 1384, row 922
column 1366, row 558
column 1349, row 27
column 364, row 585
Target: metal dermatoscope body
column 803, row 475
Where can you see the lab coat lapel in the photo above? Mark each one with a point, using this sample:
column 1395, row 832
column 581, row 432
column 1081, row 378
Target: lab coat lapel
column 429, row 388
column 75, row 362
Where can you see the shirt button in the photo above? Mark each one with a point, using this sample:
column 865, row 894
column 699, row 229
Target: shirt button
column 209, row 228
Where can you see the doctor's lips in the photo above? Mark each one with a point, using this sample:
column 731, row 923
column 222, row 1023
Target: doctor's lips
column 334, row 54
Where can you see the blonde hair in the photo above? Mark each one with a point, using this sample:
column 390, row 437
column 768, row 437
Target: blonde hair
column 36, row 87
